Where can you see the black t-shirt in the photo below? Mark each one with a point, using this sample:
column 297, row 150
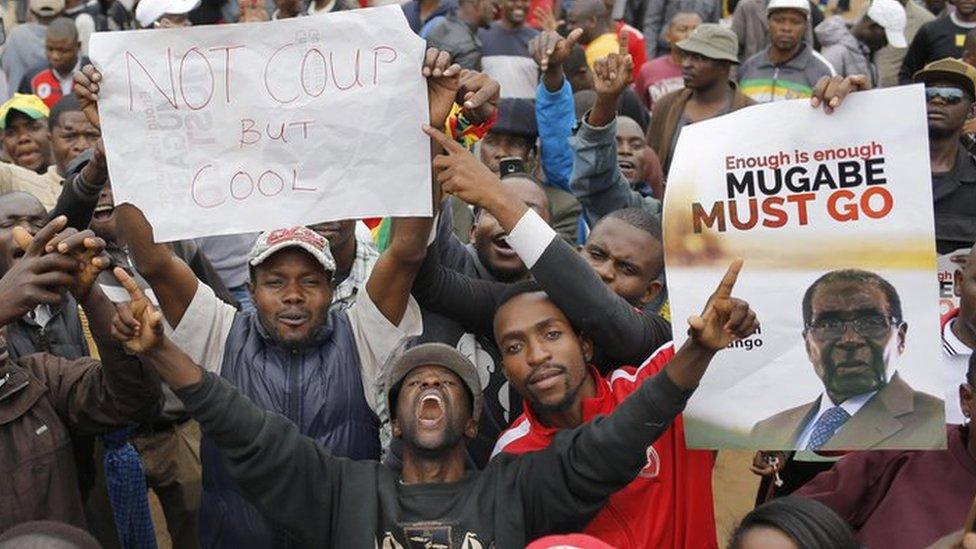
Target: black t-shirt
column 935, row 40
column 954, row 194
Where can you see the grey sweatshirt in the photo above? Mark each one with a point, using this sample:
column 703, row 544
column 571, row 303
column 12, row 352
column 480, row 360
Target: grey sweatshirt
column 324, row 501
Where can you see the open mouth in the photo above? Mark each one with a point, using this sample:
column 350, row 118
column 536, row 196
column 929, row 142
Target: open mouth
column 627, row 168
column 431, row 410
column 500, row 243
column 103, row 212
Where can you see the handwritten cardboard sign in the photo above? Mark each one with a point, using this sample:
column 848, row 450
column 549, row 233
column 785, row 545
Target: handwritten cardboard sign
column 833, row 217
column 237, row 128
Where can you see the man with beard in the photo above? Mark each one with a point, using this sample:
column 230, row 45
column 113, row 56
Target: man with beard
column 600, row 288
column 669, row 504
column 323, row 501
column 854, row 333
column 319, row 366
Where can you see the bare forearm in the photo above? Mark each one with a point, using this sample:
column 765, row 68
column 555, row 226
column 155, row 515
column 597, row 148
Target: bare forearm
column 504, row 206
column 138, row 236
column 173, row 365
column 552, row 78
column 99, row 311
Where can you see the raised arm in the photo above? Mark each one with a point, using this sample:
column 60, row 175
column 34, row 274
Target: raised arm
column 555, row 110
column 392, row 277
column 284, row 473
column 171, row 279
column 82, row 187
column 585, row 466
column 597, row 180
column 623, row 334
column 89, row 397
column 468, row 301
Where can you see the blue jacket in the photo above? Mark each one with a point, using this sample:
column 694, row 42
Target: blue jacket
column 319, row 388
column 555, row 114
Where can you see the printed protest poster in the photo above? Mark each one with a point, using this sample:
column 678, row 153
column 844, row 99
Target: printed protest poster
column 832, row 215
column 234, row 128
column 955, row 353
column 950, row 272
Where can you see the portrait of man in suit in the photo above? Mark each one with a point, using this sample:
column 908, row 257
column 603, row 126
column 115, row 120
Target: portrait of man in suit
column 854, row 333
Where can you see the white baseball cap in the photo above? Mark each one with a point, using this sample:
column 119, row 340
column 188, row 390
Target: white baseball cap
column 148, row 11
column 890, row 14
column 800, row 5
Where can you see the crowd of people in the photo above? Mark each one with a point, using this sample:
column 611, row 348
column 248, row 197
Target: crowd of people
column 498, row 375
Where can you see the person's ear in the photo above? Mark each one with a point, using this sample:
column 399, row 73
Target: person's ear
column 653, row 289
column 250, row 289
column 902, row 332
column 474, row 227
column 966, row 400
column 471, row 429
column 587, row 347
column 395, row 425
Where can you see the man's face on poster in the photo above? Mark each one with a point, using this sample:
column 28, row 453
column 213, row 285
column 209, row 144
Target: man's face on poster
column 852, row 338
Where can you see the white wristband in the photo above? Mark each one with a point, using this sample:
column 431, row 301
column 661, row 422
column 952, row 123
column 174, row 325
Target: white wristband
column 530, row 237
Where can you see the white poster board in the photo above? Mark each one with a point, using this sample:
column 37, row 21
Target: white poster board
column 237, row 128
column 799, row 194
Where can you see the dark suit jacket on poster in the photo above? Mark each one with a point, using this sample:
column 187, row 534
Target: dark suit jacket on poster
column 897, row 417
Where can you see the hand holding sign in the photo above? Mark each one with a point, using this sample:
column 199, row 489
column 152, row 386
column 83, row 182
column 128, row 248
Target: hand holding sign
column 725, row 318
column 138, row 325
column 442, row 84
column 830, row 91
column 86, row 90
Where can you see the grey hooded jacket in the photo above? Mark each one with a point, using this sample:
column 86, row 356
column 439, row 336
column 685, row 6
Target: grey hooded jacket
column 847, row 55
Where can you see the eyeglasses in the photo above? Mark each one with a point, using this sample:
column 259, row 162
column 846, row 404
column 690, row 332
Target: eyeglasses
column 951, row 96
column 867, row 326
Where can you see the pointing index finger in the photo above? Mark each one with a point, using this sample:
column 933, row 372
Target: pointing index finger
column 130, row 285
column 43, row 236
column 728, row 281
column 449, row 144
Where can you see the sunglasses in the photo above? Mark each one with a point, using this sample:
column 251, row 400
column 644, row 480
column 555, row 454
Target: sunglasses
column 951, row 96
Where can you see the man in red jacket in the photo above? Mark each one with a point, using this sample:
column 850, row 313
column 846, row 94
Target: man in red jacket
column 669, row 504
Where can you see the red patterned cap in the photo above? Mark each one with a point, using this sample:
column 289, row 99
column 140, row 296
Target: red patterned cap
column 271, row 242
